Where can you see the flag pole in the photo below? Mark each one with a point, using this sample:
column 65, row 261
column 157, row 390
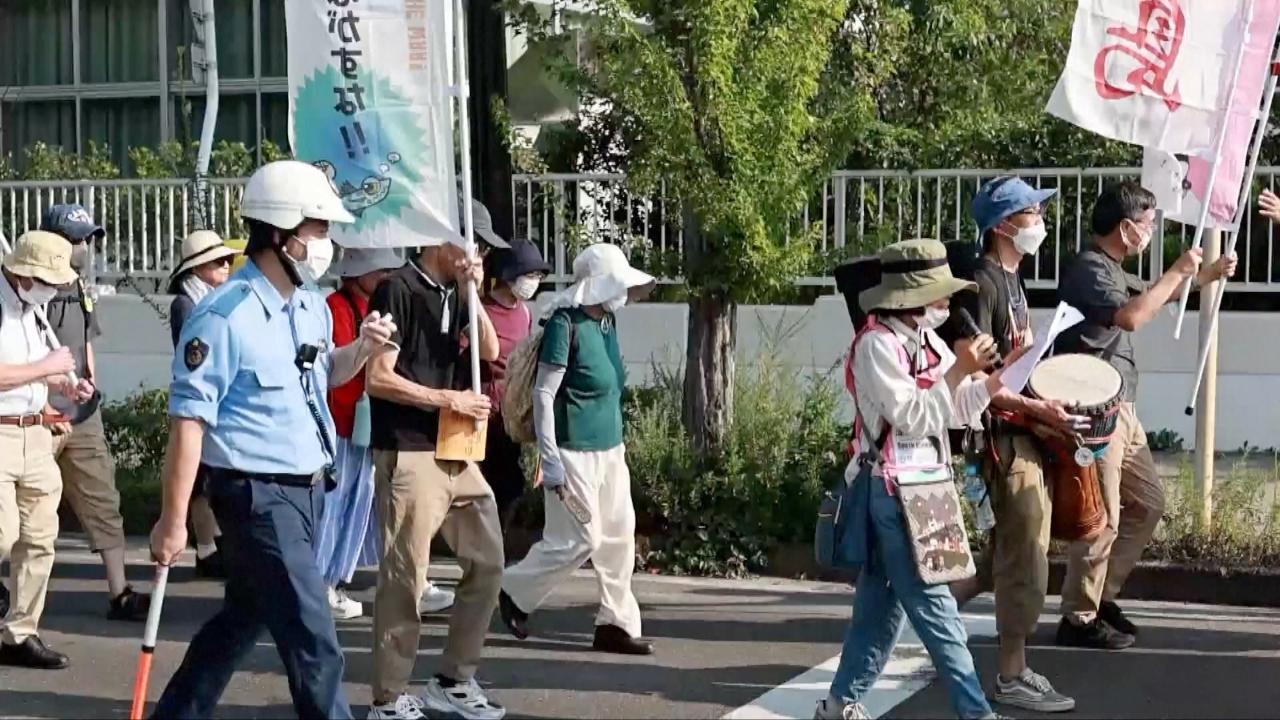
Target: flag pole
column 1260, row 132
column 468, row 218
column 1213, row 170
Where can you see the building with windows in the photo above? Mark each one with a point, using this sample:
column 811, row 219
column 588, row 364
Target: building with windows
column 118, row 73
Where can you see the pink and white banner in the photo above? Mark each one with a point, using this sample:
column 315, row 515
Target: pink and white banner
column 1190, row 173
column 1155, row 73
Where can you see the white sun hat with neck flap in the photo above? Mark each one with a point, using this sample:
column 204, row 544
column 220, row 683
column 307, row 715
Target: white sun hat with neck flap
column 601, row 273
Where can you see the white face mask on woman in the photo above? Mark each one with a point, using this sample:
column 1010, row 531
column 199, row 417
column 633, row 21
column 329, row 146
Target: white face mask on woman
column 616, row 304
column 933, row 318
column 316, row 264
column 526, row 286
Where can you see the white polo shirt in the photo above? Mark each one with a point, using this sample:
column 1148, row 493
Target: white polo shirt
column 20, row 344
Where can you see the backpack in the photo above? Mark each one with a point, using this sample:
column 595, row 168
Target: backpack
column 522, row 373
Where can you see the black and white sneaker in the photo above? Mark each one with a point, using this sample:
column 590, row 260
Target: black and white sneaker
column 464, row 699
column 830, row 708
column 405, row 707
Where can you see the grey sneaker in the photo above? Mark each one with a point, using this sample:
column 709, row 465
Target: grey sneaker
column 1031, row 691
column 463, row 699
column 830, row 708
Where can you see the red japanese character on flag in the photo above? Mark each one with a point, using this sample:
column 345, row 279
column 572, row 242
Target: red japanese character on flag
column 1144, row 56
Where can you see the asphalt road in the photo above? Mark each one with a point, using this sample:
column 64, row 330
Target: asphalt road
column 760, row 648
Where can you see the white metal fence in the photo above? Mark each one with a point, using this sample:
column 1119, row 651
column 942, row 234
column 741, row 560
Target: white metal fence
column 856, row 212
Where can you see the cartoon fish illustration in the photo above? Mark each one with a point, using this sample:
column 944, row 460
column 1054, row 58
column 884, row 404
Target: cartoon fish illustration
column 372, row 190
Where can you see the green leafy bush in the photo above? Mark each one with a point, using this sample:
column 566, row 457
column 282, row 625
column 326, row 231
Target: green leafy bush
column 1244, row 532
column 137, row 433
column 725, row 518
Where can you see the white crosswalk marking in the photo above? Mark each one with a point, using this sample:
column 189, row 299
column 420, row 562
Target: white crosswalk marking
column 908, row 671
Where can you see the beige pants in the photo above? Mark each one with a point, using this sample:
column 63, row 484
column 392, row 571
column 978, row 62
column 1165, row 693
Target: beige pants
column 1020, row 559
column 1131, row 489
column 89, row 482
column 603, row 483
column 30, row 488
column 417, row 497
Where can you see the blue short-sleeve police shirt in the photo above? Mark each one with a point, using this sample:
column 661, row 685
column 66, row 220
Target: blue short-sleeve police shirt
column 234, row 370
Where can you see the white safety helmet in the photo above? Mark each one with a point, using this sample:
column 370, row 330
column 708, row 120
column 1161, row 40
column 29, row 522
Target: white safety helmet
column 286, row 193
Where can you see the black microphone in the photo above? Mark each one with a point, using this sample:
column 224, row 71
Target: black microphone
column 970, row 329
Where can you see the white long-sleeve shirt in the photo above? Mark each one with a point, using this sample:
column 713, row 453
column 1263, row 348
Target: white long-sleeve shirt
column 886, row 392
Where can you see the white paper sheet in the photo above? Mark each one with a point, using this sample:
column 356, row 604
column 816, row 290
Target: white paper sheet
column 1016, row 375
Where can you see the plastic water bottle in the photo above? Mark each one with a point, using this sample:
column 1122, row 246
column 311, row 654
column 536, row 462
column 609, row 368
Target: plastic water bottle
column 363, row 423
column 975, row 491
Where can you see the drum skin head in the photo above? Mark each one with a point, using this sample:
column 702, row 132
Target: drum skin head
column 1076, row 380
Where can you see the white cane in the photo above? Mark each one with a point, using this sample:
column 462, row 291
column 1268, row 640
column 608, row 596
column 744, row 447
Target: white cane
column 148, row 644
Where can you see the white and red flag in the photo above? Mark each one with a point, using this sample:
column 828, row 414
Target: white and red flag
column 1156, row 73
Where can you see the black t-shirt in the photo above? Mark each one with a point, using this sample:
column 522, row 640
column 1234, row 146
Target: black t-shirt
column 1097, row 285
column 1000, row 303
column 429, row 337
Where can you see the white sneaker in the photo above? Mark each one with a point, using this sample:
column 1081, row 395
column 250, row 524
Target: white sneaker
column 406, row 707
column 466, row 700
column 343, row 607
column 435, row 599
column 1031, row 691
column 830, row 708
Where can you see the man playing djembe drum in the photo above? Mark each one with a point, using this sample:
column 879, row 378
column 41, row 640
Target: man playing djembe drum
column 1115, row 303
column 1008, row 214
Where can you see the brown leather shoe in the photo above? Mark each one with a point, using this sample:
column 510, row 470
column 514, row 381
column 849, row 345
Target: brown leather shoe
column 613, row 639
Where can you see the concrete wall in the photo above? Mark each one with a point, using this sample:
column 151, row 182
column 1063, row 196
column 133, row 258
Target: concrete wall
column 136, row 352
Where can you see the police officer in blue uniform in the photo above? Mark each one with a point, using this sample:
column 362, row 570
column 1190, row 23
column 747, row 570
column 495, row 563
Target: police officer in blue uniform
column 247, row 410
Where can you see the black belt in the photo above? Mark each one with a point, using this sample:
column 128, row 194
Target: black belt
column 217, row 474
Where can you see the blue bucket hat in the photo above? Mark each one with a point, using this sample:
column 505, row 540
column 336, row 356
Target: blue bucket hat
column 72, row 222
column 1004, row 196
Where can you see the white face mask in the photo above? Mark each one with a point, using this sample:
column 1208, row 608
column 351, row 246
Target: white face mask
column 316, row 264
column 934, row 318
column 1027, row 240
column 526, row 286
column 39, row 294
column 1144, row 240
column 616, row 304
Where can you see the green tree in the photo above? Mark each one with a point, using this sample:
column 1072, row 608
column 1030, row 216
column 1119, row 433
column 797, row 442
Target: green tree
column 737, row 107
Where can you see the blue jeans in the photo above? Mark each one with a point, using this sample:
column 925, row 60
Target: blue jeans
column 889, row 591
column 268, row 536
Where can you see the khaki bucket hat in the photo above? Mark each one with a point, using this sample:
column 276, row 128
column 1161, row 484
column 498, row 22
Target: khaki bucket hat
column 913, row 274
column 43, row 256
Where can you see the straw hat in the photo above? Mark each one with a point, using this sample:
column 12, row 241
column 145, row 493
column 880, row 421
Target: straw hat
column 44, row 256
column 200, row 247
column 913, row 274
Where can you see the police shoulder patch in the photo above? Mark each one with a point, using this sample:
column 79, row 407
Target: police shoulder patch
column 195, row 353
column 228, row 301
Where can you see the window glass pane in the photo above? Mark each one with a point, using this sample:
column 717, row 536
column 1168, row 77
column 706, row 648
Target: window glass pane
column 235, row 38
column 122, row 124
column 118, row 41
column 237, row 119
column 47, row 62
column 275, row 119
column 23, row 124
column 275, row 62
